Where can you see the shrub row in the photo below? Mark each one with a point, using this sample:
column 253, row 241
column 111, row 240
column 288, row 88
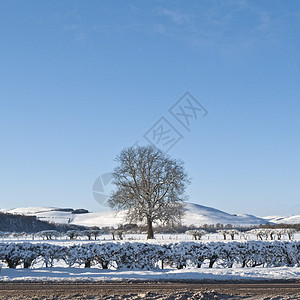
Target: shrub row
column 150, row 256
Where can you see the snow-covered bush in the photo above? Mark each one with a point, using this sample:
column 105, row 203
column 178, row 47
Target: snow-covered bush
column 16, row 254
column 106, row 255
column 49, row 254
column 10, row 254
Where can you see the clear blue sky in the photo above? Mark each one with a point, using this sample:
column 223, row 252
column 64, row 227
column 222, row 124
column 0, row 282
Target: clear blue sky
column 80, row 80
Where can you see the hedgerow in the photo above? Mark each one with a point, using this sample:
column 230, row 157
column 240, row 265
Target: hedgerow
column 110, row 255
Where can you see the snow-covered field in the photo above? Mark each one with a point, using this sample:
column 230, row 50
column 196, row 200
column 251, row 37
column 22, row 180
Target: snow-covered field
column 95, row 274
column 61, row 271
column 195, row 215
column 159, row 238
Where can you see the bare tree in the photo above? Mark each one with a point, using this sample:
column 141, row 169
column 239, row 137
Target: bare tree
column 150, row 186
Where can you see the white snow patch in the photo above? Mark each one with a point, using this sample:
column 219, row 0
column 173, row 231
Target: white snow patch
column 95, row 274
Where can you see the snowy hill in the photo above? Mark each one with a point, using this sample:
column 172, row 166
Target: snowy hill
column 49, row 214
column 199, row 215
column 195, row 214
column 284, row 219
column 67, row 216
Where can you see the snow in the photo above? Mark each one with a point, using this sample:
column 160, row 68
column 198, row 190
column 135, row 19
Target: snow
column 55, row 215
column 195, row 214
column 30, row 211
column 49, row 214
column 100, row 219
column 95, row 274
column 284, row 219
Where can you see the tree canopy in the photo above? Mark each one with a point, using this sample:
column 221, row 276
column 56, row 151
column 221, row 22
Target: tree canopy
column 150, row 186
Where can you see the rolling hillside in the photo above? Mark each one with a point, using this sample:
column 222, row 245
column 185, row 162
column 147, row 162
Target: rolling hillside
column 199, row 215
column 195, row 214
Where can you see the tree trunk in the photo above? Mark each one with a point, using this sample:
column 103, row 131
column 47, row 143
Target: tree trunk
column 150, row 234
column 104, row 265
column 211, row 262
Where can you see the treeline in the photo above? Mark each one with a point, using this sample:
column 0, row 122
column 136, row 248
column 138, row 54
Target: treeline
column 30, row 224
column 128, row 255
column 86, row 233
column 294, row 226
column 177, row 228
column 214, row 228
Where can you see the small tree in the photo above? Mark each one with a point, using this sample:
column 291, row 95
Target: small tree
column 87, row 233
column 222, row 232
column 96, row 233
column 49, row 234
column 196, row 233
column 290, row 232
column 150, row 186
column 72, row 234
column 232, row 233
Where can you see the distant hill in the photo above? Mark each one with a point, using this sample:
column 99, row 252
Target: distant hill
column 66, row 216
column 199, row 215
column 195, row 214
column 284, row 219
